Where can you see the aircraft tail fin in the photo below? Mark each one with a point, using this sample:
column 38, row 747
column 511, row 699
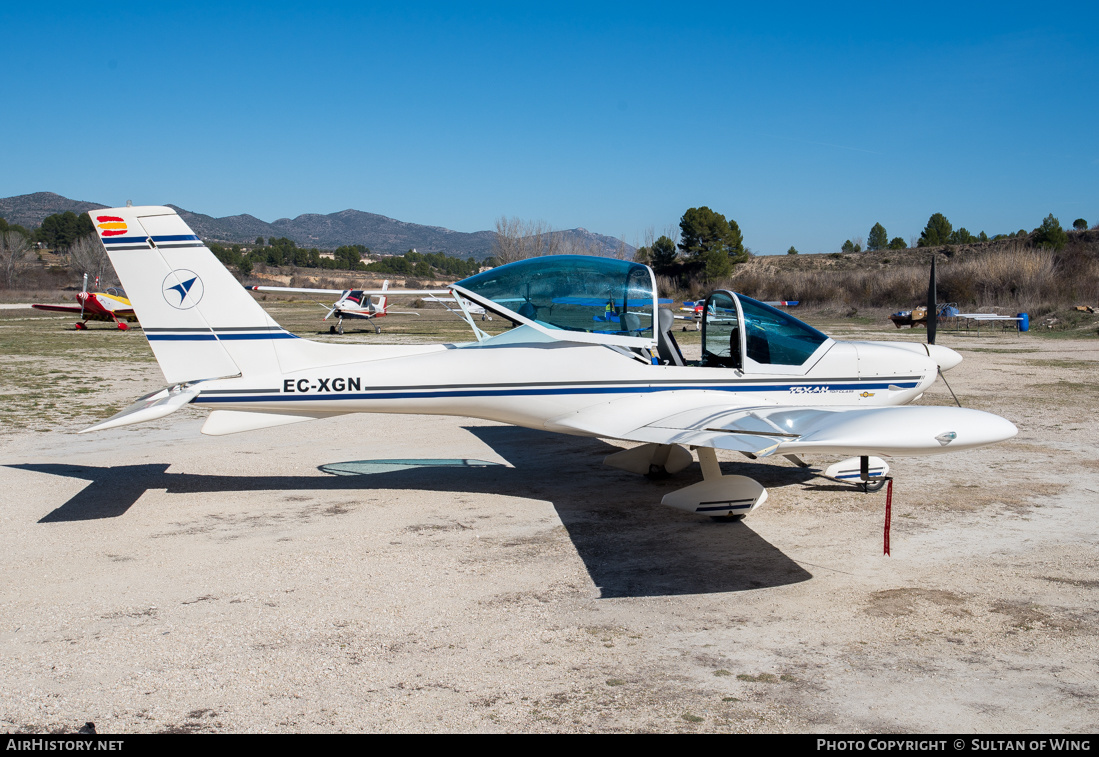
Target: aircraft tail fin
column 384, row 298
column 200, row 322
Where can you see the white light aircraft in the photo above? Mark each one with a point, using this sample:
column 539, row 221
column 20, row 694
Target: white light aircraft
column 592, row 355
column 352, row 303
column 453, row 307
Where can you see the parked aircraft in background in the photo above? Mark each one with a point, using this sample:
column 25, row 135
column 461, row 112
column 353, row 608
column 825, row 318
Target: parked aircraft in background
column 592, row 354
column 352, row 303
column 453, row 307
column 695, row 308
column 348, row 305
column 111, row 305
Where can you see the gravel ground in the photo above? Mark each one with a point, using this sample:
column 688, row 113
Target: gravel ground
column 158, row 580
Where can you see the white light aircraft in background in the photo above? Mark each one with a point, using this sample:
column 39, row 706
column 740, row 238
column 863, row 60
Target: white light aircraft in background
column 466, row 305
column 592, row 354
column 352, row 303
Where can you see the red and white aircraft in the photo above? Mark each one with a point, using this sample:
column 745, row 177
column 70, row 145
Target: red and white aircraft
column 111, row 305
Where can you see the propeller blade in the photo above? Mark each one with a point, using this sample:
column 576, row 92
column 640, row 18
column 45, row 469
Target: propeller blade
column 83, row 291
column 932, row 306
column 330, row 312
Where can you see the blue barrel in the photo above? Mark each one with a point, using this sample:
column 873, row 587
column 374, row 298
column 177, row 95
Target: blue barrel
column 1024, row 321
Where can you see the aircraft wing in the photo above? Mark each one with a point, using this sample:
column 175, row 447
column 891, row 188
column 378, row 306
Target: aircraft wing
column 58, row 308
column 375, row 292
column 600, row 301
column 701, row 419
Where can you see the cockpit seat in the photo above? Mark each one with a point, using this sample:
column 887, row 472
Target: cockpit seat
column 666, row 346
column 734, row 349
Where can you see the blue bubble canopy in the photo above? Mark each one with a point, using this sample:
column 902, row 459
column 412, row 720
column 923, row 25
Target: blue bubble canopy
column 596, row 299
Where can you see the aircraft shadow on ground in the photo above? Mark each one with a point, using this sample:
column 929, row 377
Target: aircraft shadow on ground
column 630, row 544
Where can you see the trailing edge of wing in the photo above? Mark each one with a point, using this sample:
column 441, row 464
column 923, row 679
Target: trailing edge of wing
column 690, row 417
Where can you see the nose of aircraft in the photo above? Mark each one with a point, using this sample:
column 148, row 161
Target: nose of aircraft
column 944, row 356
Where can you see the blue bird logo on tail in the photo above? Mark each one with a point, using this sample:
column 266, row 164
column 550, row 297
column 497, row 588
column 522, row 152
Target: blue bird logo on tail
column 183, row 289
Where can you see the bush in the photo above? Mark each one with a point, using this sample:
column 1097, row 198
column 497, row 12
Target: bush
column 962, row 236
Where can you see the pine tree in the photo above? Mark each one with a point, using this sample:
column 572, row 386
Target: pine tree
column 663, row 254
column 937, row 231
column 708, row 238
column 1050, row 234
column 878, row 239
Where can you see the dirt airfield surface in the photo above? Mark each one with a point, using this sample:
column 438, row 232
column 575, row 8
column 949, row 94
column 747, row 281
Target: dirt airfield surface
column 154, row 579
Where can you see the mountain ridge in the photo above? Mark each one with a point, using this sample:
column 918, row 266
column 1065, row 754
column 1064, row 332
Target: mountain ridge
column 380, row 233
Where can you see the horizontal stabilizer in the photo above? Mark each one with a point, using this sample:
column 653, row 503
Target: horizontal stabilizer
column 149, row 408
column 222, row 422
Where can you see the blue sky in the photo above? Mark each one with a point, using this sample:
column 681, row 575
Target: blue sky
column 806, row 123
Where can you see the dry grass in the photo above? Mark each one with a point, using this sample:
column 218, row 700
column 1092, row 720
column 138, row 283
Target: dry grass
column 1012, row 276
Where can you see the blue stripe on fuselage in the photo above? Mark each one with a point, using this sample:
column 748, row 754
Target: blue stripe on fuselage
column 518, row 392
